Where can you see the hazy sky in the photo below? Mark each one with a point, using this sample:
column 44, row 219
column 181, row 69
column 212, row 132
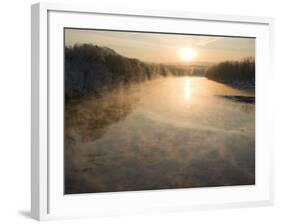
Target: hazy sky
column 166, row 48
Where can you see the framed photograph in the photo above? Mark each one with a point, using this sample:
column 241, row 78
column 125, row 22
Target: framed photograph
column 137, row 111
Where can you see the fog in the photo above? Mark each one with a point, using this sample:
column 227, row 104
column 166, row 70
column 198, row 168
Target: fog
column 174, row 132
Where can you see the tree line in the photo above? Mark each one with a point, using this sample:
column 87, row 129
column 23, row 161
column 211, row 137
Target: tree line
column 234, row 72
column 91, row 68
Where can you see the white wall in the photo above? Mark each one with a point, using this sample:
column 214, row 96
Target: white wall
column 15, row 110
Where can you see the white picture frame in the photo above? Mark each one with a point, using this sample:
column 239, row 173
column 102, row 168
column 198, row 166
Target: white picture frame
column 47, row 198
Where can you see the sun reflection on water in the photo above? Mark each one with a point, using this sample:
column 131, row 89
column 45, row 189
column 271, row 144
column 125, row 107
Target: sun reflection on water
column 187, row 90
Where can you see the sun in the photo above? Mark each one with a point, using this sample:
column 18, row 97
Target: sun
column 187, row 54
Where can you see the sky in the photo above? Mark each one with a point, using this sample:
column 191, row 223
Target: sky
column 166, row 48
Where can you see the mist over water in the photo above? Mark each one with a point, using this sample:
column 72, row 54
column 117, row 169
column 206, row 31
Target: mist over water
column 174, row 132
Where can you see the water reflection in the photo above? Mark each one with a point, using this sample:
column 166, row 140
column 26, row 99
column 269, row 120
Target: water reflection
column 166, row 133
column 187, row 89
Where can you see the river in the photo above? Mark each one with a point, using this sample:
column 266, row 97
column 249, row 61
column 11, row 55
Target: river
column 178, row 133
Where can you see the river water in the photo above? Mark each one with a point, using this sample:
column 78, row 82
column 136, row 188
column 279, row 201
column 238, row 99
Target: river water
column 179, row 133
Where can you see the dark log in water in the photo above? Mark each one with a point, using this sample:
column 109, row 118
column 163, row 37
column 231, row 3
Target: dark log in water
column 242, row 99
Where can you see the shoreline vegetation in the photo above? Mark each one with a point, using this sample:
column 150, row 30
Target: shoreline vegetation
column 238, row 74
column 91, row 69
